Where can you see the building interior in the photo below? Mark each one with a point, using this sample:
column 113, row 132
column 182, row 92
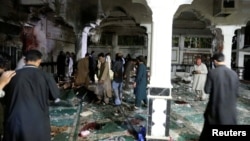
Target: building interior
column 168, row 32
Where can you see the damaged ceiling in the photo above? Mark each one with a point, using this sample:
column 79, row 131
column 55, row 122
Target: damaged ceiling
column 115, row 14
column 122, row 13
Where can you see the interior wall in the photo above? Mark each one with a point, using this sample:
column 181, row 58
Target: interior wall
column 59, row 38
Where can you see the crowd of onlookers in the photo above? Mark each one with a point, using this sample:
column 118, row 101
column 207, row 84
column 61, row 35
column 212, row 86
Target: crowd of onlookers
column 111, row 76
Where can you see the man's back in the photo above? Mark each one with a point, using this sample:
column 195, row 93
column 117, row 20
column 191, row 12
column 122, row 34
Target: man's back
column 82, row 76
column 27, row 111
column 118, row 71
column 226, row 79
column 222, row 84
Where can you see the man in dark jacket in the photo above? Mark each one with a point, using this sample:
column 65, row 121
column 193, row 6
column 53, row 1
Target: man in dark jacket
column 117, row 68
column 60, row 62
column 27, row 102
column 222, row 84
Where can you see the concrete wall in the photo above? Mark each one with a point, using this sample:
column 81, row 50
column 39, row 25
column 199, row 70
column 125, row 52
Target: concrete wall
column 59, row 38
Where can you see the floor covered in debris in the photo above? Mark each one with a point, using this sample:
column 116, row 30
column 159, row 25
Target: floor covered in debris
column 78, row 118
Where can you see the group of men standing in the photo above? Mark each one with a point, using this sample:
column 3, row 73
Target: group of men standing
column 26, row 102
column 221, row 83
column 111, row 76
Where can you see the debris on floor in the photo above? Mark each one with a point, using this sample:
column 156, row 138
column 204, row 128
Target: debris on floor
column 79, row 118
column 57, row 130
column 85, row 114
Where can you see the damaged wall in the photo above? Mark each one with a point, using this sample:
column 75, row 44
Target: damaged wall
column 59, row 38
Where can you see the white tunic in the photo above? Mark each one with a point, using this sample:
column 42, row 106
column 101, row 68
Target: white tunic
column 111, row 73
column 199, row 79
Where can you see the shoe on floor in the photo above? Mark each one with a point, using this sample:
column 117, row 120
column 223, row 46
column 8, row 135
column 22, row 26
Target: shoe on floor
column 203, row 99
column 136, row 108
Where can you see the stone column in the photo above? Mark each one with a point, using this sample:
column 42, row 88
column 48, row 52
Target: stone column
column 239, row 53
column 159, row 92
column 84, row 43
column 240, row 38
column 228, row 33
column 78, row 46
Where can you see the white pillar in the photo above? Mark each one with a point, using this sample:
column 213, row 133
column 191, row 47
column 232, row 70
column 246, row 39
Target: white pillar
column 161, row 48
column 163, row 12
column 240, row 38
column 159, row 93
column 84, row 43
column 240, row 53
column 228, row 33
column 149, row 43
column 240, row 45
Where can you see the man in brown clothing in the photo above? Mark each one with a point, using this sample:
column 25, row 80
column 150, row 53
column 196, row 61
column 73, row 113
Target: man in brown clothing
column 82, row 74
column 103, row 89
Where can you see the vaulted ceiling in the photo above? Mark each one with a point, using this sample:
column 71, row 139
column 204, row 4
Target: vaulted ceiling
column 114, row 13
column 131, row 13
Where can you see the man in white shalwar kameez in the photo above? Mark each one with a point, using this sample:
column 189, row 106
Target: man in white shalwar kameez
column 199, row 75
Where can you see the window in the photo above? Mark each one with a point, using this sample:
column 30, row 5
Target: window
column 175, row 42
column 128, row 40
column 228, row 3
column 198, row 42
column 106, row 39
column 189, row 58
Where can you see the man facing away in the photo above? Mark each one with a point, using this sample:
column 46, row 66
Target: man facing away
column 27, row 102
column 129, row 66
column 222, row 84
column 117, row 68
column 82, row 73
column 199, row 75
